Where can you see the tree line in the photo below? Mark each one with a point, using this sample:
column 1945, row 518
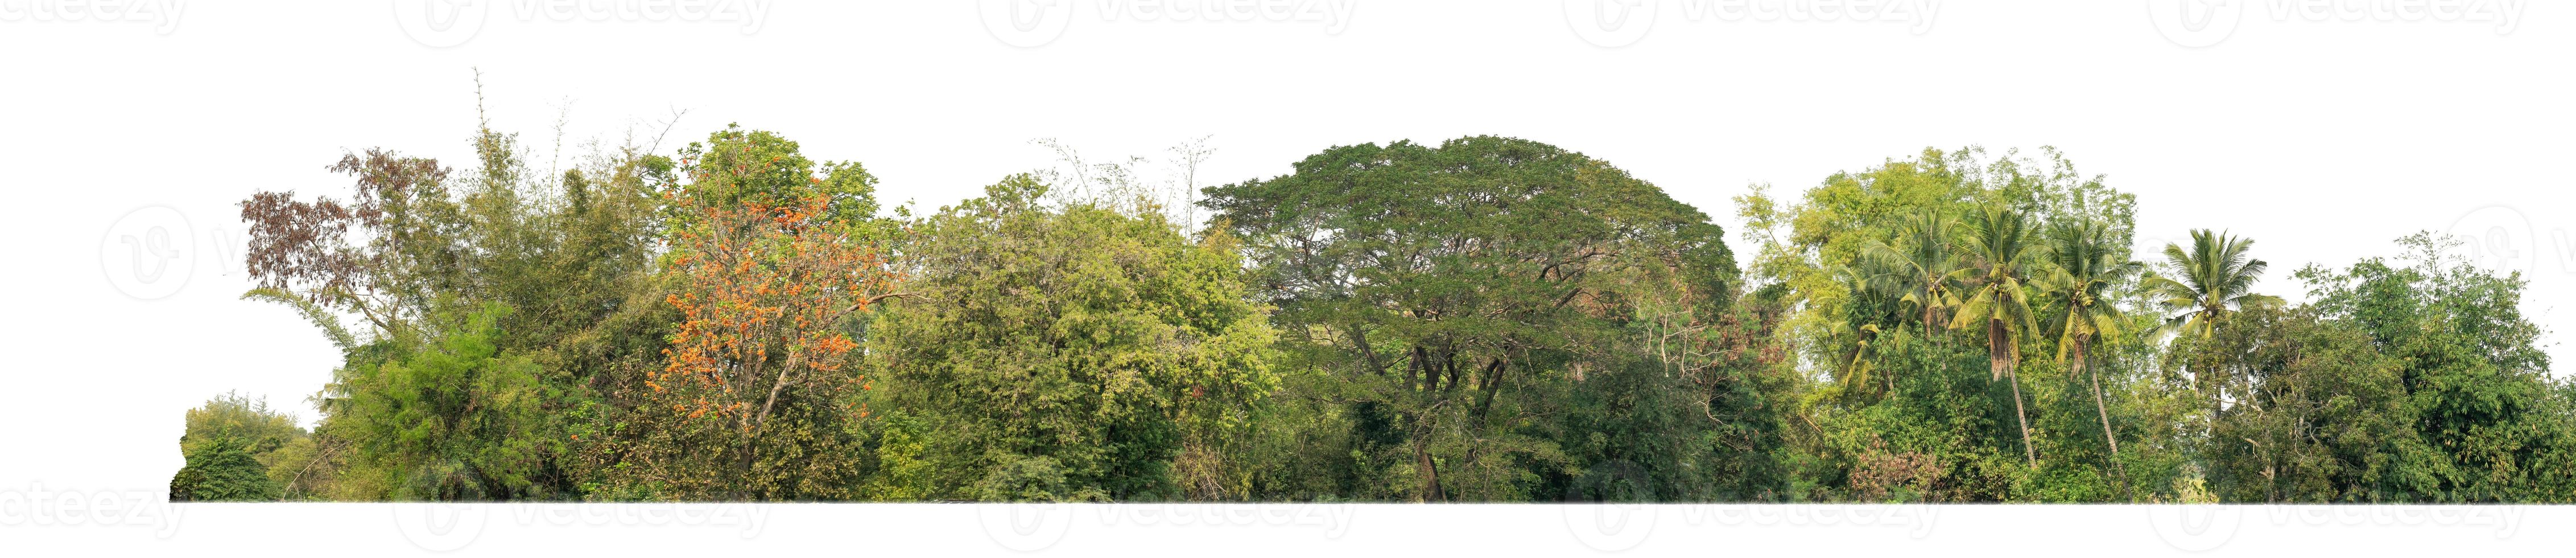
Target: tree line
column 1486, row 319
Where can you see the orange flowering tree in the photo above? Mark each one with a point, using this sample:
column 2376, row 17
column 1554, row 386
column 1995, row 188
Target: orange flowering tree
column 764, row 291
column 769, row 279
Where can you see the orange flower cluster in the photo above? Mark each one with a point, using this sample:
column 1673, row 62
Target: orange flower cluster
column 764, row 291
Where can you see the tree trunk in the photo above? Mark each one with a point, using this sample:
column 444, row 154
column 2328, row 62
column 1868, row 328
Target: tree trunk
column 1422, row 460
column 2217, row 405
column 1359, row 336
column 1454, row 374
column 2000, row 353
column 1413, row 368
column 2104, row 409
column 1431, row 375
column 1493, row 379
column 2030, row 454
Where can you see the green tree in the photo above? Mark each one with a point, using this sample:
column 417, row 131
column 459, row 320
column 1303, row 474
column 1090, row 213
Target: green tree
column 1074, row 351
column 752, row 391
column 2216, row 277
column 2493, row 424
column 2325, row 415
column 222, row 470
column 2002, row 257
column 2087, row 264
column 1421, row 270
column 259, row 428
column 1924, row 266
column 229, row 439
column 446, row 417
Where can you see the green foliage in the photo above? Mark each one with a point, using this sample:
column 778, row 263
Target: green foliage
column 729, row 374
column 2327, row 416
column 737, row 166
column 1485, row 319
column 2216, row 277
column 1069, row 353
column 222, row 470
column 447, row 418
column 2492, row 426
column 232, row 445
column 1413, row 271
column 233, row 416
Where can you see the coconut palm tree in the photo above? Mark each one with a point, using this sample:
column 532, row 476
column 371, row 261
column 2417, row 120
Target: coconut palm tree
column 1922, row 265
column 2001, row 254
column 2086, row 264
column 2216, row 278
column 1869, row 301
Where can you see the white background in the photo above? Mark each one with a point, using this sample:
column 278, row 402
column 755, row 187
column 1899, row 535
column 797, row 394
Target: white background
column 2324, row 135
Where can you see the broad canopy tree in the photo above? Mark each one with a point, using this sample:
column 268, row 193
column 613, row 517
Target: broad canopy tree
column 1479, row 262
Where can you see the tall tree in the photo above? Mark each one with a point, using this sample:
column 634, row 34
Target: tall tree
column 2087, row 263
column 2216, row 278
column 1924, row 266
column 1998, row 243
column 1074, row 352
column 774, row 263
column 1484, row 260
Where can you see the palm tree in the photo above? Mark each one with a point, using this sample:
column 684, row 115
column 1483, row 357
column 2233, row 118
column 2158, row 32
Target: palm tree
column 1999, row 241
column 1869, row 302
column 2087, row 264
column 2217, row 278
column 1922, row 266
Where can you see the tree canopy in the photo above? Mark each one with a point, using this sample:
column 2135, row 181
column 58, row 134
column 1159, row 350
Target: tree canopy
column 1482, row 319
